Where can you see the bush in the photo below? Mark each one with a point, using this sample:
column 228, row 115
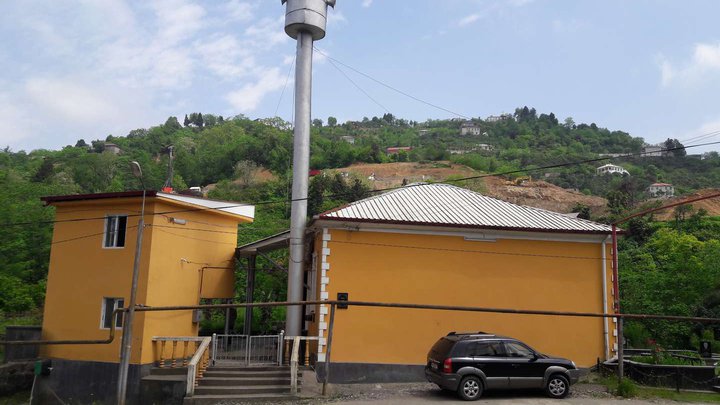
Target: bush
column 626, row 388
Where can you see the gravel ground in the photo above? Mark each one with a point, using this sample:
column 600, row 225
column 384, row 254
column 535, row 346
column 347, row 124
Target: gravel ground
column 369, row 394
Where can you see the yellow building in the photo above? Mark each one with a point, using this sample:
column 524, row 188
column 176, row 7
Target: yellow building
column 187, row 254
column 444, row 245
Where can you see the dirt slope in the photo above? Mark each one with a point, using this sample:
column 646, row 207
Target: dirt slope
column 712, row 205
column 538, row 194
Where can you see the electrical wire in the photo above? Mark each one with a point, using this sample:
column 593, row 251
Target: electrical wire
column 391, row 87
column 197, row 239
column 462, row 179
column 287, row 79
column 358, row 87
column 85, row 236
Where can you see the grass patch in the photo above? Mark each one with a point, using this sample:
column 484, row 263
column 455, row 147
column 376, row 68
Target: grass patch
column 641, row 392
column 19, row 398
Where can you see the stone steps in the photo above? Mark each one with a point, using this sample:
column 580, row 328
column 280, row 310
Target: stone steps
column 231, row 384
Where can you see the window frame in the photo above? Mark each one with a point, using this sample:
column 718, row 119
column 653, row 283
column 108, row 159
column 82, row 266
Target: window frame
column 103, row 312
column 106, row 233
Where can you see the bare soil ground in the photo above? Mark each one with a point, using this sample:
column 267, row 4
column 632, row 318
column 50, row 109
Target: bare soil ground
column 712, row 205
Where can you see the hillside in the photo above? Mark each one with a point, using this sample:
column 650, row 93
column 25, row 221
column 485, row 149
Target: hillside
column 712, row 205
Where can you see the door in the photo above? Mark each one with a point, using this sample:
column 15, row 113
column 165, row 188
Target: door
column 525, row 370
column 489, row 356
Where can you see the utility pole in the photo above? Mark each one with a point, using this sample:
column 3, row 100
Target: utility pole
column 305, row 21
column 126, row 344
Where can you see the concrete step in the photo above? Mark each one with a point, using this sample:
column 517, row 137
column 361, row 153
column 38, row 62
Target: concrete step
column 168, row 371
column 248, row 368
column 237, row 398
column 213, row 372
column 243, row 390
column 243, row 381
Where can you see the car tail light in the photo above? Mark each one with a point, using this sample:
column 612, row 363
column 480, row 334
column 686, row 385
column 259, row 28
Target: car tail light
column 447, row 366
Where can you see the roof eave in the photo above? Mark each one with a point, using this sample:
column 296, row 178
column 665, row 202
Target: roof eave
column 467, row 226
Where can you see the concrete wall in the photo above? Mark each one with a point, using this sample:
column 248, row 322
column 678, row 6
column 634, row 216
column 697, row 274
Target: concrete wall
column 449, row 270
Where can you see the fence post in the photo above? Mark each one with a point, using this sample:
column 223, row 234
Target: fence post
column 214, row 347
column 678, row 379
column 329, row 346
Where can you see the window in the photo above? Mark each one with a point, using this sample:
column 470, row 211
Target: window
column 115, row 227
column 108, row 306
column 517, row 350
column 486, row 349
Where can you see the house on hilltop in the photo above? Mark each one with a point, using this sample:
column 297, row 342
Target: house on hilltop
column 470, row 128
column 187, row 255
column 611, row 169
column 661, row 190
column 445, row 245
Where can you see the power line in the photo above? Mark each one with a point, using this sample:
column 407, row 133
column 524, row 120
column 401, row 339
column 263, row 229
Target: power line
column 287, row 79
column 391, row 87
column 357, row 86
column 271, row 202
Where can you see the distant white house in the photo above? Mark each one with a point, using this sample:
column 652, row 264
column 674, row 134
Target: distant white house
column 112, row 148
column 484, row 146
column 661, row 190
column 496, row 118
column 469, row 128
column 348, row 138
column 652, row 151
column 611, row 169
column 423, row 132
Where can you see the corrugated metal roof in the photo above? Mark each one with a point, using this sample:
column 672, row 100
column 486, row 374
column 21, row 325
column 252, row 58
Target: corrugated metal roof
column 448, row 205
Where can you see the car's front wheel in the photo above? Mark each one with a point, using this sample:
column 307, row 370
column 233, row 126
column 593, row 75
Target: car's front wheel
column 470, row 388
column 557, row 386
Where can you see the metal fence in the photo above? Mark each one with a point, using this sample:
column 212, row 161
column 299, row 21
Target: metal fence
column 665, row 376
column 247, row 350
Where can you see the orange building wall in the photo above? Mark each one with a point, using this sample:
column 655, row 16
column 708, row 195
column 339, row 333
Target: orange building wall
column 449, row 270
column 82, row 272
column 77, row 284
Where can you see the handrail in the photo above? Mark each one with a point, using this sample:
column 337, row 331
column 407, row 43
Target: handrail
column 197, row 366
column 295, row 357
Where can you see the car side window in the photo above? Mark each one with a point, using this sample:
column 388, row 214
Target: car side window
column 517, row 350
column 487, row 349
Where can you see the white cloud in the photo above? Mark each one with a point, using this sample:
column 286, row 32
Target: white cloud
column 70, row 100
column 704, row 65
column 519, row 3
column 367, row 3
column 248, row 97
column 238, row 10
column 468, row 20
column 226, row 57
column 335, row 18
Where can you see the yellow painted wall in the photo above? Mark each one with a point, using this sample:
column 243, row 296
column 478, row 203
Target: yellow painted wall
column 82, row 273
column 448, row 270
column 204, row 241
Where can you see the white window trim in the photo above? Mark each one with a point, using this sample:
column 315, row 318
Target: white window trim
column 104, row 239
column 102, row 311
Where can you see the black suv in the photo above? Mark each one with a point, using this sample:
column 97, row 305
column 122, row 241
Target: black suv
column 469, row 363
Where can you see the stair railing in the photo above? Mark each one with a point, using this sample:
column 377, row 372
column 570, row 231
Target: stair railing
column 294, row 357
column 178, row 356
column 197, row 366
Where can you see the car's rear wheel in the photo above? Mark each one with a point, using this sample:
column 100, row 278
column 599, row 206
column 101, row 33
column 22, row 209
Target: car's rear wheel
column 557, row 386
column 470, row 388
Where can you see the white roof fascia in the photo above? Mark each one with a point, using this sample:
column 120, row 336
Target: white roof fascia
column 232, row 208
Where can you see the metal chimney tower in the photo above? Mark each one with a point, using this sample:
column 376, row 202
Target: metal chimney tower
column 305, row 21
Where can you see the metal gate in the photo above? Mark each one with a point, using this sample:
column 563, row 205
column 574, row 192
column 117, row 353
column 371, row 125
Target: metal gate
column 247, row 350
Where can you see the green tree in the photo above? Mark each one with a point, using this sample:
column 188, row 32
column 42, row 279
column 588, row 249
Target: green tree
column 332, row 121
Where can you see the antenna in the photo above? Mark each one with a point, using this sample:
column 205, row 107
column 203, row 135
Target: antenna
column 167, row 186
column 305, row 21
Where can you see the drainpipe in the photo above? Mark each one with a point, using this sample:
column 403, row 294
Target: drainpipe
column 616, row 286
column 604, row 297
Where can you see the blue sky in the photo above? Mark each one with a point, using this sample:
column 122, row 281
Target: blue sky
column 89, row 68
